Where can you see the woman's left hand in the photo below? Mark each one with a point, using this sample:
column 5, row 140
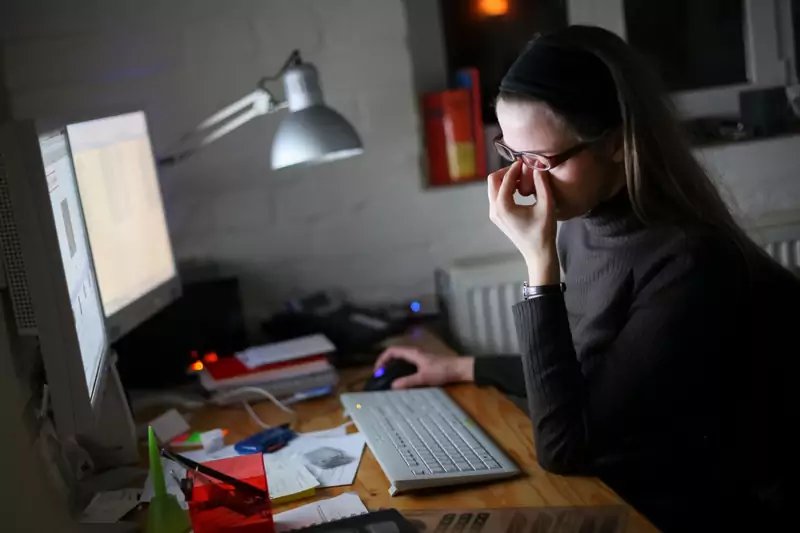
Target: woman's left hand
column 532, row 228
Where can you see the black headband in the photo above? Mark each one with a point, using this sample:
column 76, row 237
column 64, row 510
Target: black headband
column 571, row 80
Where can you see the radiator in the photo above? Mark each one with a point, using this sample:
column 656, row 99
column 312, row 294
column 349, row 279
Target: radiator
column 781, row 241
column 476, row 295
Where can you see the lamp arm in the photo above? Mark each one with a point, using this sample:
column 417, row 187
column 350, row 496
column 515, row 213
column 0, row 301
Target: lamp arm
column 257, row 103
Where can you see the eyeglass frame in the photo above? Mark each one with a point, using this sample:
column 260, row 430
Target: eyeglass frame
column 552, row 160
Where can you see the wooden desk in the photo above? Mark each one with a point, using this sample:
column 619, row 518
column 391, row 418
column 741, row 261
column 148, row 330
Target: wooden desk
column 500, row 418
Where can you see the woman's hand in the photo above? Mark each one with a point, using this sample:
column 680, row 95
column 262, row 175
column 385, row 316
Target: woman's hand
column 432, row 369
column 532, row 228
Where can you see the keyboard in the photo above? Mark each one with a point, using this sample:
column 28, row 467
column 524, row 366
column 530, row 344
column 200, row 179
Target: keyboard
column 423, row 439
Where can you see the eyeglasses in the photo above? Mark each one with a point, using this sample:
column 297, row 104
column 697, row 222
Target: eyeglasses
column 538, row 161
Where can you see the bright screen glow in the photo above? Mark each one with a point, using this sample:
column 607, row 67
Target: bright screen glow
column 75, row 255
column 124, row 211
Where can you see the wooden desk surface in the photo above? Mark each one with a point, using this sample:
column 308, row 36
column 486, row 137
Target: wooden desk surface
column 498, row 416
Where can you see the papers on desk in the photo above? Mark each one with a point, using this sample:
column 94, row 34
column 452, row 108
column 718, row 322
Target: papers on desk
column 288, row 480
column 173, row 473
column 201, row 456
column 285, row 351
column 340, row 431
column 351, row 445
column 110, row 507
column 289, row 474
column 169, row 425
column 342, row 506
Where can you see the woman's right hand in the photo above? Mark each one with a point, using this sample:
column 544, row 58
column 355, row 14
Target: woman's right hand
column 432, row 369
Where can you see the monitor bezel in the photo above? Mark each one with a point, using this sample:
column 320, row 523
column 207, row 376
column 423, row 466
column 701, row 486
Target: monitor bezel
column 75, row 403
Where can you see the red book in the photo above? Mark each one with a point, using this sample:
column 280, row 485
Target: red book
column 232, row 367
column 449, row 136
column 469, row 78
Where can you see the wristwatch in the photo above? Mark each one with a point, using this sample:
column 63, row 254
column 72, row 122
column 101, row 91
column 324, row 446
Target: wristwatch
column 529, row 292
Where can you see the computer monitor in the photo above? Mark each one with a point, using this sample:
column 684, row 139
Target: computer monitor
column 49, row 271
column 119, row 188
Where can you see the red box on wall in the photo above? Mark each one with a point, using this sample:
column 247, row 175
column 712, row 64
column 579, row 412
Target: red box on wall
column 454, row 132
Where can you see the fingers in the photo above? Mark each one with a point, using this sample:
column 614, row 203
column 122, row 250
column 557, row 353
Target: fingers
column 409, row 382
column 544, row 195
column 526, row 186
column 412, row 355
column 493, row 184
column 505, row 196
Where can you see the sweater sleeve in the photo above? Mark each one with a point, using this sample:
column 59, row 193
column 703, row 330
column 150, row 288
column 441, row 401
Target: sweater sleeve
column 657, row 366
column 501, row 371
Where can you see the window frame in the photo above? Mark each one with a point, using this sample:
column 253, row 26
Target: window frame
column 769, row 51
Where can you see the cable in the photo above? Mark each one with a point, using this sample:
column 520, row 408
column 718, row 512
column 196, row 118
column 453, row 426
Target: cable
column 219, row 399
column 254, row 416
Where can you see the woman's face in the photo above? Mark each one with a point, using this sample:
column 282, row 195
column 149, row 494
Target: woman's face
column 579, row 184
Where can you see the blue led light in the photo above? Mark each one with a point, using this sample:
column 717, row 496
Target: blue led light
column 415, row 307
column 379, row 372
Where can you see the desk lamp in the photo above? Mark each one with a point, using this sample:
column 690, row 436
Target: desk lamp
column 311, row 133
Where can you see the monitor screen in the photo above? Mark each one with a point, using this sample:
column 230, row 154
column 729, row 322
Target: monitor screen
column 119, row 188
column 76, row 255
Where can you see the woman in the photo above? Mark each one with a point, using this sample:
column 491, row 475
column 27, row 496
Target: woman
column 662, row 367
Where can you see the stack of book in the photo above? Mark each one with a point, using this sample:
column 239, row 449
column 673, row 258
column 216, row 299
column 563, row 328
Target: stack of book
column 282, row 369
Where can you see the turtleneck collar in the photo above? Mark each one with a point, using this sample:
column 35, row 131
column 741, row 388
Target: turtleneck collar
column 614, row 217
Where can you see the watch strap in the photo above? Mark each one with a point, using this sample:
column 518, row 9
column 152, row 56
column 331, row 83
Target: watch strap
column 533, row 291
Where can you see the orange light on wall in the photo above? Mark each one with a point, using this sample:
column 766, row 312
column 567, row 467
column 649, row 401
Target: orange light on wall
column 197, row 366
column 210, row 357
column 492, row 8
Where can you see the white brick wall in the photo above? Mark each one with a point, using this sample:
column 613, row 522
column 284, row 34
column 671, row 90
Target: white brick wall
column 364, row 224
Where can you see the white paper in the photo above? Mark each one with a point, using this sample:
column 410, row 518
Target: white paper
column 212, row 441
column 110, row 507
column 285, row 351
column 201, row 456
column 173, row 472
column 340, row 431
column 342, row 506
column 285, row 478
column 351, row 445
column 169, row 425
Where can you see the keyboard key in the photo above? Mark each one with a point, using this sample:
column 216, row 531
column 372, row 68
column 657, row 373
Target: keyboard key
column 418, row 470
column 436, row 469
column 493, row 464
column 463, row 465
column 480, row 466
column 451, row 468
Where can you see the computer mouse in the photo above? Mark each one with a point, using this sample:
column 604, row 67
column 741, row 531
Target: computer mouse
column 384, row 376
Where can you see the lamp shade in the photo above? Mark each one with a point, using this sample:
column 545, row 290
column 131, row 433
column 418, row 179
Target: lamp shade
column 312, row 132
column 316, row 134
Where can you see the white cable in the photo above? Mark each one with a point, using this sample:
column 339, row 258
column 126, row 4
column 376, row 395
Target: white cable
column 254, row 416
column 219, row 398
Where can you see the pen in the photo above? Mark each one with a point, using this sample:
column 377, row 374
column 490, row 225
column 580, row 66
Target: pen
column 237, row 484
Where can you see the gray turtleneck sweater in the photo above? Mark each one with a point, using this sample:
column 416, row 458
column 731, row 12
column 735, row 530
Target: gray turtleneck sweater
column 661, row 367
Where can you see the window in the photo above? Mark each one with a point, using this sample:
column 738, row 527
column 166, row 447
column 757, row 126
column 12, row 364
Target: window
column 707, row 51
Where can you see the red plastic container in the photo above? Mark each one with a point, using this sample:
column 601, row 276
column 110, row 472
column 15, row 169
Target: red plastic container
column 216, row 507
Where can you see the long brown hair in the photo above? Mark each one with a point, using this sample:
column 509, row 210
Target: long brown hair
column 666, row 184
